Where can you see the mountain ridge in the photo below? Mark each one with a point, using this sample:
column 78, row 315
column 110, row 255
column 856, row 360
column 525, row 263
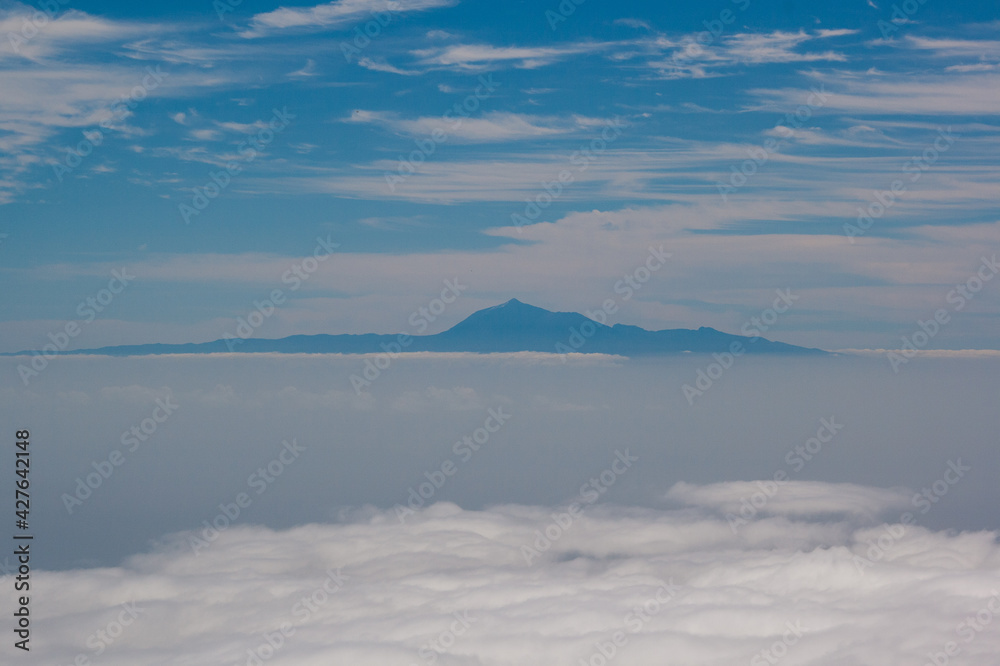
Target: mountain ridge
column 511, row 326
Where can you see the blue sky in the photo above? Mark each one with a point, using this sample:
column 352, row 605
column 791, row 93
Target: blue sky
column 648, row 112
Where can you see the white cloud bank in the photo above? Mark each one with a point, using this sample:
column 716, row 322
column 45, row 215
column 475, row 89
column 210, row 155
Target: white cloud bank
column 453, row 587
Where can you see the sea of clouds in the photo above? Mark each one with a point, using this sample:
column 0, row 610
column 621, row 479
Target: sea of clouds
column 524, row 585
column 509, row 509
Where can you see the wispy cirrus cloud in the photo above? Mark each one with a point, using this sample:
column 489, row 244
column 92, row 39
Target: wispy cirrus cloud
column 635, row 23
column 26, row 36
column 687, row 57
column 778, row 46
column 954, row 48
column 73, row 72
column 486, row 56
column 380, row 65
column 490, row 127
column 876, row 93
column 333, row 14
column 971, row 55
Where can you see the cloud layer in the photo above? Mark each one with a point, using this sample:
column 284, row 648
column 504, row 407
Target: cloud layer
column 455, row 587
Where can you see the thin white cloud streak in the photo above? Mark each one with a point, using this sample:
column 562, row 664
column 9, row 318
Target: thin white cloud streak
column 837, row 32
column 490, row 127
column 742, row 48
column 333, row 14
column 793, row 498
column 955, row 48
column 670, row 169
column 63, row 31
column 776, row 47
column 734, row 595
column 687, row 57
column 484, row 56
column 880, row 94
column 381, row 66
column 474, row 358
column 638, row 24
column 929, row 353
column 178, row 50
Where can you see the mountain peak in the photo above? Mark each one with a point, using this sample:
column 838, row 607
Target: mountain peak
column 514, row 304
column 516, row 325
column 511, row 308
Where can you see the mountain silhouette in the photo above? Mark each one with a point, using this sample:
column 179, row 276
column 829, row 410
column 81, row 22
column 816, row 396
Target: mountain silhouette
column 509, row 327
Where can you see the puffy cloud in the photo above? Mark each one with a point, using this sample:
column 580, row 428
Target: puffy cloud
column 455, row 587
